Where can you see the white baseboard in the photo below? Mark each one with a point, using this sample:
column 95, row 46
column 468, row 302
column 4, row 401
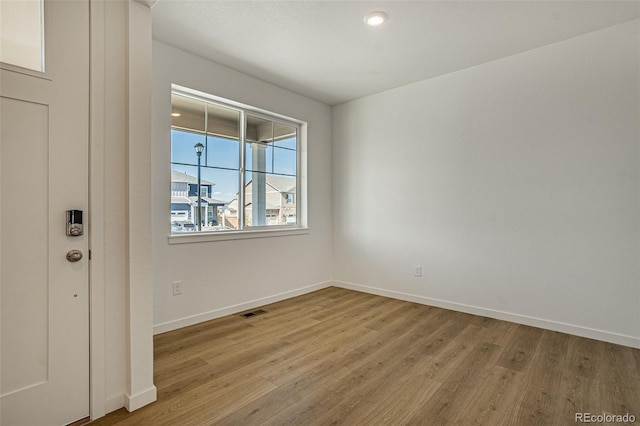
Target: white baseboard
column 230, row 310
column 113, row 403
column 577, row 330
column 139, row 400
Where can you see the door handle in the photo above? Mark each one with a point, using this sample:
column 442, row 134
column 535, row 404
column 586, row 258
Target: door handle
column 74, row 255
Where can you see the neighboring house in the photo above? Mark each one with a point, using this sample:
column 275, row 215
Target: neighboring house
column 280, row 202
column 184, row 199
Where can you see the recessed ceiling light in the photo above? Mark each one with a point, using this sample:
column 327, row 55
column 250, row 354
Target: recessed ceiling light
column 375, row 19
column 175, row 114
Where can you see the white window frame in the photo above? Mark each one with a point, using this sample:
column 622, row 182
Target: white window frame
column 300, row 198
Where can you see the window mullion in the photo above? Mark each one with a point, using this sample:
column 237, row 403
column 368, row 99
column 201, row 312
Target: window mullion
column 296, row 196
column 241, row 180
column 206, row 134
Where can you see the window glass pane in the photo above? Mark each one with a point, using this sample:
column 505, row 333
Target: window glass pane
column 22, row 33
column 289, row 143
column 284, row 152
column 223, row 122
column 221, row 152
column 259, row 157
column 259, row 145
column 218, row 191
column 221, row 144
column 259, row 130
column 223, row 147
column 188, row 125
column 182, row 147
column 284, row 161
column 223, row 193
column 285, row 136
column 187, row 113
column 270, row 200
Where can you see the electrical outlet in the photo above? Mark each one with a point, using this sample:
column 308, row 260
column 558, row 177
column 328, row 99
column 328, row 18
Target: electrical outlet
column 177, row 288
column 417, row 271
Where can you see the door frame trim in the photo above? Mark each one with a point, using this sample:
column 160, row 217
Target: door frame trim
column 137, row 376
column 97, row 362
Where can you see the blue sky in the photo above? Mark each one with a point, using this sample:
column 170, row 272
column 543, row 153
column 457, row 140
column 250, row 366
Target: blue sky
column 221, row 154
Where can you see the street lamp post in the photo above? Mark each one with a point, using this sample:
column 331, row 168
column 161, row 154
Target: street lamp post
column 199, row 148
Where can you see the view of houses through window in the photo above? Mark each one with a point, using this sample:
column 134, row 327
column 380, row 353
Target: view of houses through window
column 216, row 150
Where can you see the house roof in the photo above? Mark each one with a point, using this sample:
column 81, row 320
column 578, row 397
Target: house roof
column 194, row 200
column 180, row 200
column 279, row 183
column 271, row 204
column 208, row 200
column 282, row 183
column 182, row 177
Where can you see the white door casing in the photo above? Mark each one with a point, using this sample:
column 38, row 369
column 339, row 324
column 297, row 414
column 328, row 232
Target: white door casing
column 44, row 298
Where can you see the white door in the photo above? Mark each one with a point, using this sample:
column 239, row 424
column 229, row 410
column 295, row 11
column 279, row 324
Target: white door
column 44, row 172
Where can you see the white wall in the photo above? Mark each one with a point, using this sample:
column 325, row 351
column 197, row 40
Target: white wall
column 515, row 184
column 219, row 276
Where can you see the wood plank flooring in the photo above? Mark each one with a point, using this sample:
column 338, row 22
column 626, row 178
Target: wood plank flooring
column 342, row 357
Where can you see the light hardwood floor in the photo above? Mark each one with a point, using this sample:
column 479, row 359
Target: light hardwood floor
column 342, row 357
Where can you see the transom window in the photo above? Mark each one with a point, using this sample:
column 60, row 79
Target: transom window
column 22, row 33
column 233, row 168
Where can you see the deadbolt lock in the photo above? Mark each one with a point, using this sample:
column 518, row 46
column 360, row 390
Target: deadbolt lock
column 74, row 223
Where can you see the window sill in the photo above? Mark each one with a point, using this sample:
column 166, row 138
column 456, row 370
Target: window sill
column 234, row 235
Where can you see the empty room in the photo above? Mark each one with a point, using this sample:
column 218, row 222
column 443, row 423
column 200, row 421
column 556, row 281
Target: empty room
column 319, row 212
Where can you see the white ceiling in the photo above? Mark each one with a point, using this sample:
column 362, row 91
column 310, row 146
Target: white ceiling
column 323, row 50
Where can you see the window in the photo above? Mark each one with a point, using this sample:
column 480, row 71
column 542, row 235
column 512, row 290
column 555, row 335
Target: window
column 22, row 33
column 233, row 167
